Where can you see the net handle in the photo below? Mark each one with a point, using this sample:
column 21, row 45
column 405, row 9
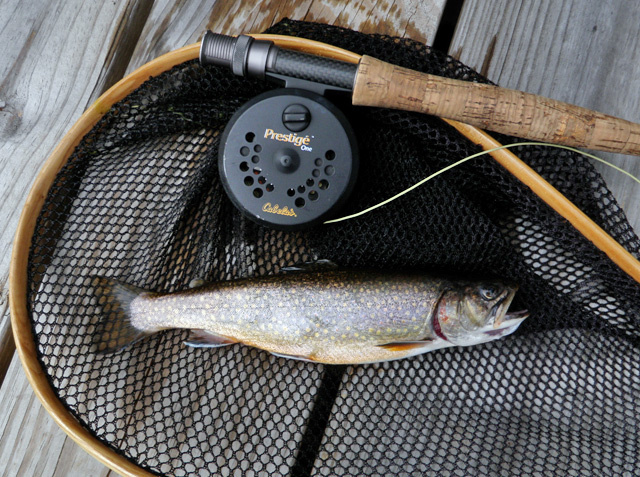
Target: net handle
column 20, row 320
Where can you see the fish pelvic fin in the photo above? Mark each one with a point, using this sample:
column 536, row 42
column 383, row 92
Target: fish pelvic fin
column 308, row 359
column 116, row 331
column 206, row 339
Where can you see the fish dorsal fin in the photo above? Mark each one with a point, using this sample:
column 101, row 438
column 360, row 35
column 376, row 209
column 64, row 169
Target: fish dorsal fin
column 206, row 339
column 316, row 266
column 407, row 345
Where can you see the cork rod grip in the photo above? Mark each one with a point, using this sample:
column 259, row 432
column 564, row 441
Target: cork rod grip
column 489, row 107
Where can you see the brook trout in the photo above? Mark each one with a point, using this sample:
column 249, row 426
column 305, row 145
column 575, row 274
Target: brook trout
column 327, row 316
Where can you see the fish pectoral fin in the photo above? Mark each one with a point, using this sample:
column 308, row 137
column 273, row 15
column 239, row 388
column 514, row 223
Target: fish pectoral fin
column 206, row 339
column 317, row 266
column 407, row 345
column 293, row 356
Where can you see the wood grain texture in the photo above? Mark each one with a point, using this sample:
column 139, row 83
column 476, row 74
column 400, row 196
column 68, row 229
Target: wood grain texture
column 497, row 109
column 47, row 79
column 31, row 444
column 174, row 24
column 584, row 53
column 53, row 67
column 413, row 19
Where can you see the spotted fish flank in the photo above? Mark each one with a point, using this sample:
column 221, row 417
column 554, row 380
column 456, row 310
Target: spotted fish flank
column 316, row 314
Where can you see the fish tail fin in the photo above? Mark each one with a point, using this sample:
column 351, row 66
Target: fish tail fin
column 116, row 331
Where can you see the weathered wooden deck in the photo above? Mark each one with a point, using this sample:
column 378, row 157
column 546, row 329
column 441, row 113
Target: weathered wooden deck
column 60, row 55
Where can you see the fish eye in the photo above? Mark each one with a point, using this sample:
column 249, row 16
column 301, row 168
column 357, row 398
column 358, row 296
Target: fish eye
column 489, row 292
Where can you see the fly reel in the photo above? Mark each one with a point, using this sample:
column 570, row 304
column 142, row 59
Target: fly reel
column 288, row 158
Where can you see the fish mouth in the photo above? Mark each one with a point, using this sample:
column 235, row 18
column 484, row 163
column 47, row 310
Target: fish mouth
column 500, row 312
column 507, row 325
column 506, row 322
column 516, row 315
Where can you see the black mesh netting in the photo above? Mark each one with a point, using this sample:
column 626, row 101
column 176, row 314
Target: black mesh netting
column 140, row 200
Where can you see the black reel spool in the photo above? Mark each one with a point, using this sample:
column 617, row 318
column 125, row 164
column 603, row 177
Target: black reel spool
column 288, row 159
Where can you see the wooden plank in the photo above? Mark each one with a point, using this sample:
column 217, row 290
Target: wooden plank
column 31, row 443
column 415, row 19
column 126, row 27
column 47, row 79
column 174, row 24
column 582, row 53
column 74, row 461
column 55, row 65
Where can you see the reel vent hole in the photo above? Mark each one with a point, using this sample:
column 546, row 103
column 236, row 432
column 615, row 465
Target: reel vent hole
column 257, row 170
column 258, row 148
column 244, row 166
column 244, row 150
column 329, row 170
column 262, row 180
column 248, row 181
column 313, row 195
column 310, row 182
column 255, row 159
column 250, row 137
column 300, row 202
column 291, row 192
column 269, row 187
column 257, row 193
column 323, row 184
column 330, row 155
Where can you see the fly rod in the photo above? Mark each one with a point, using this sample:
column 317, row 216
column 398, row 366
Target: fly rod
column 379, row 84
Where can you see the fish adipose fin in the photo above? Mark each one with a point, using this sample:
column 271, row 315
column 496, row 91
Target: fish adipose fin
column 205, row 339
column 116, row 331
